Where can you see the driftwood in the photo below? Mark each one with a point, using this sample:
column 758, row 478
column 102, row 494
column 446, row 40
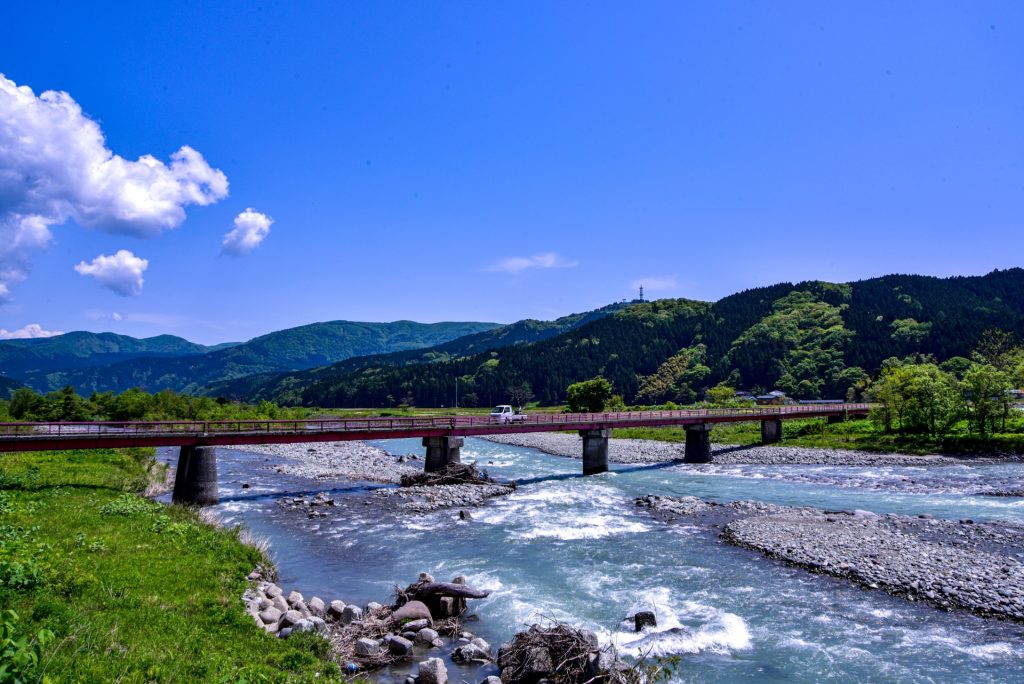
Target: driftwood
column 448, row 589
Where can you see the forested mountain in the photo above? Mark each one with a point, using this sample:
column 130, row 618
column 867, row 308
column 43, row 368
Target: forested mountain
column 278, row 385
column 84, row 349
column 296, row 348
column 811, row 339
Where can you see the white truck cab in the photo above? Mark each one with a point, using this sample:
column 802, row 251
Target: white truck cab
column 504, row 414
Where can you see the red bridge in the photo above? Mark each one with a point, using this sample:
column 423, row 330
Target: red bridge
column 442, row 436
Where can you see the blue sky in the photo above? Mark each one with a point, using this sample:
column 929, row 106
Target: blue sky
column 485, row 161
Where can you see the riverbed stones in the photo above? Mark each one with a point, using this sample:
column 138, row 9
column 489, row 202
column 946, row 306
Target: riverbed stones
column 367, row 647
column 270, row 614
column 316, row 606
column 294, row 597
column 280, row 603
column 290, row 618
column 399, row 646
column 413, row 610
column 273, row 590
column 468, row 653
column 416, row 625
column 433, row 671
column 373, row 607
column 426, row 636
column 335, row 610
column 350, row 614
column 644, row 618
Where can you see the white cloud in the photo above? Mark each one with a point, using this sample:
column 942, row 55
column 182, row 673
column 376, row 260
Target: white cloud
column 120, row 272
column 542, row 260
column 55, row 166
column 116, row 317
column 250, row 229
column 655, row 283
column 30, row 331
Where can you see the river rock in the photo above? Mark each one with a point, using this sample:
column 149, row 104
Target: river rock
column 304, row 625
column 426, row 636
column 399, row 646
column 433, row 671
column 416, row 625
column 426, row 577
column 281, row 604
column 294, row 597
column 284, row 632
column 350, row 614
column 264, row 603
column 273, row 590
column 373, row 607
column 290, row 618
column 335, row 610
column 367, row 647
column 269, row 615
column 316, row 606
column 413, row 610
column 468, row 653
column 491, row 680
column 481, row 644
column 644, row 618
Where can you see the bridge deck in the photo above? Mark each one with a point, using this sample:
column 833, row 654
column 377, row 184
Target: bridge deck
column 98, row 435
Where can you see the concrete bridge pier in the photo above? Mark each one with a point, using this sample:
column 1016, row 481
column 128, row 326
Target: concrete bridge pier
column 441, row 452
column 195, row 482
column 595, row 451
column 698, row 444
column 771, row 431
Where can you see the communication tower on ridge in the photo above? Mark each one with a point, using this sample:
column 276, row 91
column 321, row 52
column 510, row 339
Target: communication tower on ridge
column 641, row 293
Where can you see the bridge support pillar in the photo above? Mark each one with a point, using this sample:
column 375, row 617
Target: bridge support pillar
column 195, row 482
column 838, row 418
column 595, row 451
column 441, row 452
column 698, row 444
column 771, row 431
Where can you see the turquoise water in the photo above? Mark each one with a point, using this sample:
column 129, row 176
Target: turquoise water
column 576, row 549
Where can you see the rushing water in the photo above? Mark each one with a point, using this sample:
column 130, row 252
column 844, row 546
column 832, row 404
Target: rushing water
column 576, row 549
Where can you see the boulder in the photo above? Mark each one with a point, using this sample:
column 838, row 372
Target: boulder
column 465, row 515
column 433, row 671
column 399, row 646
column 446, row 605
column 481, row 644
column 426, row 577
column 468, row 653
column 300, row 606
column 367, row 647
column 273, row 590
column 335, row 610
column 491, row 680
column 373, row 607
column 290, row 618
column 350, row 614
column 264, row 603
column 413, row 610
column 270, row 615
column 304, row 625
column 294, row 597
column 280, row 603
column 316, row 606
column 319, row 624
column 284, row 632
column 644, row 618
column 426, row 636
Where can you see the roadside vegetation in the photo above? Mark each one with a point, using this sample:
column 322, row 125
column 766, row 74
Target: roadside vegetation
column 98, row 583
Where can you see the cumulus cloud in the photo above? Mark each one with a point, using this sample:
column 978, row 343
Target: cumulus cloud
column 120, row 272
column 250, row 229
column 655, row 283
column 55, row 166
column 30, row 331
column 542, row 260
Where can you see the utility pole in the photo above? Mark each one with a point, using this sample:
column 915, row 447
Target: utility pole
column 456, row 391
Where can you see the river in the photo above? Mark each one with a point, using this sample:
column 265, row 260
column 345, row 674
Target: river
column 576, row 549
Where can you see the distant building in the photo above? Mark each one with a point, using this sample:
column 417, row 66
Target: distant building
column 774, row 398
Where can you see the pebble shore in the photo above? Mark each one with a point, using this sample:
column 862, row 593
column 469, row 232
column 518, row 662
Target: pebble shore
column 960, row 564
column 651, row 451
column 334, row 460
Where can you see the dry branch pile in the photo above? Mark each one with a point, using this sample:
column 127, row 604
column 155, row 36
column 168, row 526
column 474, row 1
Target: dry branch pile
column 562, row 655
column 453, row 474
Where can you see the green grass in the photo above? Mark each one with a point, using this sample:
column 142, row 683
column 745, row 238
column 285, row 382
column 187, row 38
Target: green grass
column 132, row 590
column 862, row 435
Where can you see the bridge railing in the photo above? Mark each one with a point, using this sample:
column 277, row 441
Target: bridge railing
column 394, row 424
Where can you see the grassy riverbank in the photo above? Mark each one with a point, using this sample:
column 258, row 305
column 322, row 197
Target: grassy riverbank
column 861, row 435
column 131, row 590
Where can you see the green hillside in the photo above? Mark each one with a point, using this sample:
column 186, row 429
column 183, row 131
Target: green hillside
column 279, row 385
column 296, row 348
column 85, row 349
column 812, row 339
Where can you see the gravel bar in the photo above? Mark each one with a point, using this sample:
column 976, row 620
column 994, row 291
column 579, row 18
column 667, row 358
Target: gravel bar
column 334, row 460
column 950, row 564
column 652, row 451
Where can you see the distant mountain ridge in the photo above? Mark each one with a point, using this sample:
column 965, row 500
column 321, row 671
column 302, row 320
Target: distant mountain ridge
column 812, row 339
column 83, row 349
column 255, row 387
column 173, row 363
